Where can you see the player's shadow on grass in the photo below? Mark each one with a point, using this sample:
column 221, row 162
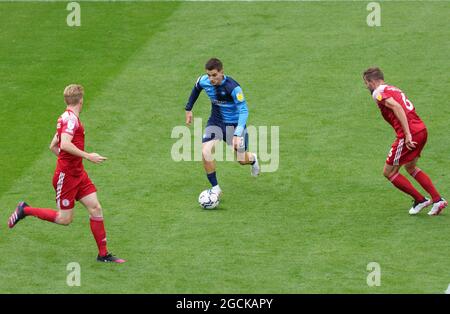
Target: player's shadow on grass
column 425, row 216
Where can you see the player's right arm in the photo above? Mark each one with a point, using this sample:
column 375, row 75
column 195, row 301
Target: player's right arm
column 69, row 147
column 196, row 90
column 401, row 116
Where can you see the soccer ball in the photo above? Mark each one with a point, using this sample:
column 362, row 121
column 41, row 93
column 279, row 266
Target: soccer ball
column 208, row 199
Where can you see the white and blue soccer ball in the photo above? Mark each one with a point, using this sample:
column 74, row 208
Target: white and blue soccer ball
column 208, row 199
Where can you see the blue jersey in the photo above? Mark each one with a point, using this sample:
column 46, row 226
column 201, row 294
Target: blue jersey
column 228, row 105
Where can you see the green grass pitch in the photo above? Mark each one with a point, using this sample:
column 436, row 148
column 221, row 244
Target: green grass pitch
column 310, row 227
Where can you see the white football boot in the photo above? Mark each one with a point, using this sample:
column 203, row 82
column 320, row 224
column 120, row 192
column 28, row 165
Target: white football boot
column 217, row 190
column 417, row 207
column 255, row 167
column 438, row 207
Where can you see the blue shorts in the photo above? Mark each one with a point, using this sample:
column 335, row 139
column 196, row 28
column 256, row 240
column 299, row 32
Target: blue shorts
column 221, row 131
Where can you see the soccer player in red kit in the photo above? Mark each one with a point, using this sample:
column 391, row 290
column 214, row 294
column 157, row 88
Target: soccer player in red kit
column 399, row 112
column 71, row 181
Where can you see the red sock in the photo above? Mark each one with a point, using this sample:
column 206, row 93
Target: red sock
column 404, row 185
column 41, row 213
column 426, row 183
column 98, row 230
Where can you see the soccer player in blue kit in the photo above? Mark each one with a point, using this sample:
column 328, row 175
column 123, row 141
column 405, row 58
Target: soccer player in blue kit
column 227, row 121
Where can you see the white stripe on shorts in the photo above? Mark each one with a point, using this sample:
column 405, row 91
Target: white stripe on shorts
column 59, row 188
column 399, row 152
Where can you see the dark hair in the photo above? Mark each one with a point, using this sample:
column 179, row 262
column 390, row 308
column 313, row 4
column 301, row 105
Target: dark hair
column 214, row 64
column 373, row 73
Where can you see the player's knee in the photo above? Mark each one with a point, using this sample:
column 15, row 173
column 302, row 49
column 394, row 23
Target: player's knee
column 206, row 154
column 388, row 173
column 65, row 221
column 410, row 169
column 242, row 162
column 96, row 210
column 206, row 151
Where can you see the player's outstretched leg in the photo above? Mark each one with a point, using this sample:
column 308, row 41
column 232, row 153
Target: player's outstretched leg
column 23, row 209
column 98, row 229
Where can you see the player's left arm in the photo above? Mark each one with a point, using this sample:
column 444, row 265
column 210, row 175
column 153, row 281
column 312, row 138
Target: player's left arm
column 54, row 145
column 239, row 100
column 399, row 112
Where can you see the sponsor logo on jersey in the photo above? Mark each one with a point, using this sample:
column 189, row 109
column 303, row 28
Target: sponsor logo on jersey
column 379, row 97
column 218, row 102
column 240, row 96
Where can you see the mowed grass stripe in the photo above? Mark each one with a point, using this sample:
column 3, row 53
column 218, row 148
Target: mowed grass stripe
column 136, row 28
column 41, row 55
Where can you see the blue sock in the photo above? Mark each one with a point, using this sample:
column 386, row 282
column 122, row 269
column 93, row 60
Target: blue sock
column 212, row 178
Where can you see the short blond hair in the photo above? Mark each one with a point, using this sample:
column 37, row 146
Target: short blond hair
column 73, row 94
